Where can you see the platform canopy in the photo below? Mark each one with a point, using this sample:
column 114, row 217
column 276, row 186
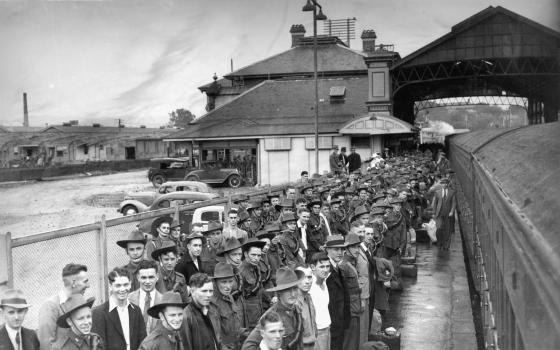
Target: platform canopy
column 376, row 124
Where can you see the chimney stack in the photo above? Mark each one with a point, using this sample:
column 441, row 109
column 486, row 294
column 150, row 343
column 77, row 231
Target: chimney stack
column 368, row 40
column 25, row 114
column 298, row 32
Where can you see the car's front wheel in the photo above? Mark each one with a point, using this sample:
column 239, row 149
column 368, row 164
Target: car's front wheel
column 234, row 181
column 129, row 210
column 158, row 180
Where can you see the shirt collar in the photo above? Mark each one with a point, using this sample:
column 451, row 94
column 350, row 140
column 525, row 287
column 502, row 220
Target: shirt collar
column 364, row 246
column 113, row 303
column 12, row 332
column 62, row 296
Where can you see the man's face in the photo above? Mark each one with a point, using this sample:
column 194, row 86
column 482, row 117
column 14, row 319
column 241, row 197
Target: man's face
column 12, row 316
column 363, row 219
column 287, row 210
column 335, row 207
column 172, row 317
column 225, row 285
column 195, row 247
column 267, row 244
column 301, row 205
column 215, row 236
column 235, row 256
column 203, row 294
column 232, row 217
column 316, row 208
column 322, row 269
column 304, row 217
column 135, row 251
column 81, row 320
column 257, row 211
column 163, row 229
column 335, row 254
column 196, row 229
column 168, row 261
column 353, row 250
column 396, row 207
column 402, row 195
column 308, row 192
column 305, row 283
column 377, row 218
column 80, row 282
column 368, row 236
column 120, row 288
column 288, row 297
column 266, row 207
column 291, row 225
column 305, row 177
column 147, row 279
column 325, row 210
column 352, row 177
column 253, row 255
column 363, row 195
column 272, row 335
column 275, row 201
column 176, row 232
column 291, row 193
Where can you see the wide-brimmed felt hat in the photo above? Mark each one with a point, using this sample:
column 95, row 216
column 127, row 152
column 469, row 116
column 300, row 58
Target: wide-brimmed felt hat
column 382, row 205
column 272, row 227
column 314, row 201
column 175, row 223
column 335, row 241
column 305, row 187
column 14, row 298
column 352, row 239
column 265, row 234
column 241, row 198
column 167, row 299
column 349, row 190
column 75, row 302
column 273, row 195
column 377, row 211
column 396, row 200
column 392, row 192
column 288, row 217
column 285, row 279
column 335, row 201
column 254, row 205
column 230, row 244
column 133, row 237
column 223, row 270
column 243, row 216
column 360, row 210
column 166, row 247
column 253, row 242
column 213, row 226
column 195, row 236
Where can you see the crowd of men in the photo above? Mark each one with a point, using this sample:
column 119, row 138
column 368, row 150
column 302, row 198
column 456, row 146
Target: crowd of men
column 304, row 269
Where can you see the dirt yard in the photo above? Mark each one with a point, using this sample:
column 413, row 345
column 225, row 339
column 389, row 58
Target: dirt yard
column 35, row 207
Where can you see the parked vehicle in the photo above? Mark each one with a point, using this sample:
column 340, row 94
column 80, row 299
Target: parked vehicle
column 129, row 205
column 165, row 169
column 206, row 214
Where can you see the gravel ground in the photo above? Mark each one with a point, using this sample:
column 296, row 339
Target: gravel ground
column 33, row 207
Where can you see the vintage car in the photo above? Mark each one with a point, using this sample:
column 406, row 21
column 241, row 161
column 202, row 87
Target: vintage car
column 129, row 205
column 165, row 169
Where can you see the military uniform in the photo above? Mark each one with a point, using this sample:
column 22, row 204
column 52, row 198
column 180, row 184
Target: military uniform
column 173, row 282
column 71, row 341
column 233, row 319
column 252, row 287
column 162, row 338
column 289, row 245
column 133, row 272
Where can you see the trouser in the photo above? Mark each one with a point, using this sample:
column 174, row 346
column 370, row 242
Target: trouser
column 323, row 339
column 352, row 334
column 364, row 323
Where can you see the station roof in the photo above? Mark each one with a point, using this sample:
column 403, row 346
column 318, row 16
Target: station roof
column 281, row 107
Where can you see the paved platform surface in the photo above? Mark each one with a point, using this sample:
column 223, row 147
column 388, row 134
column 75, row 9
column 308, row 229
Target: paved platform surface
column 434, row 310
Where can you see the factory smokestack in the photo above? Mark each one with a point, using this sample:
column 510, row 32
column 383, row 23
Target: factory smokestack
column 25, row 114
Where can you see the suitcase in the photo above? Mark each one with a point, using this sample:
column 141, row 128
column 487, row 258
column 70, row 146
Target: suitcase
column 409, row 270
column 392, row 341
column 422, row 236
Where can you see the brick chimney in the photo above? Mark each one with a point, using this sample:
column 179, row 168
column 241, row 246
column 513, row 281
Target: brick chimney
column 25, row 113
column 368, row 40
column 298, row 32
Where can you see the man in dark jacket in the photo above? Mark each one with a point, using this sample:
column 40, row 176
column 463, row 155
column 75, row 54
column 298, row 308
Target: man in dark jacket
column 169, row 280
column 118, row 322
column 77, row 317
column 339, row 300
column 252, row 280
column 13, row 308
column 191, row 263
column 166, row 334
column 354, row 160
column 200, row 327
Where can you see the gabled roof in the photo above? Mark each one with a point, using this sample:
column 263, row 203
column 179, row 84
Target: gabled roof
column 105, row 130
column 331, row 57
column 470, row 23
column 281, row 107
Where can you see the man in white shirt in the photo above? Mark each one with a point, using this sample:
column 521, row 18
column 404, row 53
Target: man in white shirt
column 118, row 322
column 76, row 281
column 147, row 295
column 320, row 265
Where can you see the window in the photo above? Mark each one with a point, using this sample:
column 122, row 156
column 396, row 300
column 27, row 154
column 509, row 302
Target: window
column 86, row 149
column 278, row 144
column 325, row 142
column 210, row 216
column 337, row 94
column 60, row 153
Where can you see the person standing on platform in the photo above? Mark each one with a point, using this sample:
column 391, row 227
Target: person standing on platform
column 272, row 332
column 443, row 206
column 321, row 267
column 354, row 160
column 334, row 162
column 305, row 304
column 191, row 263
column 162, row 234
column 147, row 295
column 168, row 279
column 77, row 317
column 252, row 280
column 135, row 246
column 166, row 336
column 76, row 281
column 343, row 160
column 13, row 308
column 339, row 303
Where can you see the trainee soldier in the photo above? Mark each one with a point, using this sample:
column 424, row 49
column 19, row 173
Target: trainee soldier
column 252, row 280
column 255, row 212
column 232, row 254
column 168, row 279
column 244, row 223
column 305, row 304
column 134, row 245
column 76, row 315
column 232, row 313
column 289, row 243
column 273, row 253
column 349, row 274
column 166, row 336
column 177, row 236
column 287, row 290
column 13, row 309
column 213, row 241
column 161, row 234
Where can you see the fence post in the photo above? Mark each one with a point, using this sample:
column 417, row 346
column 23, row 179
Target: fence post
column 103, row 260
column 6, row 267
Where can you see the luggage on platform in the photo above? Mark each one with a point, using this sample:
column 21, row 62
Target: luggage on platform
column 409, row 270
column 392, row 341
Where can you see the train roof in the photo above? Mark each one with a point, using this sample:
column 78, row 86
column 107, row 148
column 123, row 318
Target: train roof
column 525, row 163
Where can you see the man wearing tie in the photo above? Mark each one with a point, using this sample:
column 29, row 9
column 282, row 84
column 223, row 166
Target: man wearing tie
column 13, row 308
column 119, row 322
column 147, row 295
column 443, row 206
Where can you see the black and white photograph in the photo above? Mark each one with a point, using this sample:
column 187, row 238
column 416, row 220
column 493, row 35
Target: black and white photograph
column 279, row 175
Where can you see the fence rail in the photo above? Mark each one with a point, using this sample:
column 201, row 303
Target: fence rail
column 34, row 263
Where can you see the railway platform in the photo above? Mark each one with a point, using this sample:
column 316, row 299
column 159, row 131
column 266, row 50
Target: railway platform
column 434, row 311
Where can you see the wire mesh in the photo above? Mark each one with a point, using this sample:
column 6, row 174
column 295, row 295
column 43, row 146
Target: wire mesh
column 37, row 268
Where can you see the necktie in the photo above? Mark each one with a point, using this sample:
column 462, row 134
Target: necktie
column 178, row 344
column 147, row 303
column 18, row 340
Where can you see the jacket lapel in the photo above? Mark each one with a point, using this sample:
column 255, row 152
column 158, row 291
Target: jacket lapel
column 5, row 342
column 114, row 317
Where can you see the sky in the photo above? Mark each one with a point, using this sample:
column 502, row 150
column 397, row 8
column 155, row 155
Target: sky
column 138, row 60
